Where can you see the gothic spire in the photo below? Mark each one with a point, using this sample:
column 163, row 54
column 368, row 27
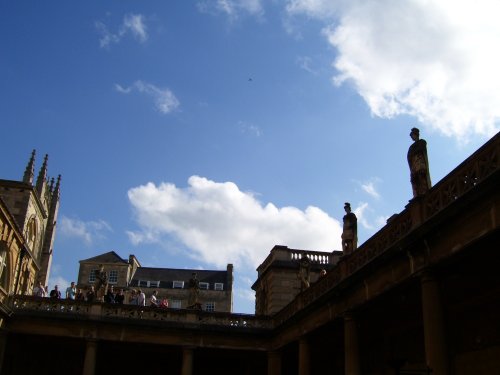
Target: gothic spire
column 57, row 190
column 42, row 176
column 29, row 172
column 51, row 186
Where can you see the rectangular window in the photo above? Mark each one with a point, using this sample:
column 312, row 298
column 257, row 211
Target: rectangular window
column 219, row 286
column 154, row 284
column 92, row 276
column 203, row 285
column 178, row 284
column 143, row 283
column 175, row 304
column 210, row 306
column 113, row 277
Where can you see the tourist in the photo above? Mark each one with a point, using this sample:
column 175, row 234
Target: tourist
column 71, row 291
column 91, row 294
column 153, row 302
column 39, row 290
column 55, row 293
column 141, row 298
column 79, row 295
column 110, row 295
column 120, row 297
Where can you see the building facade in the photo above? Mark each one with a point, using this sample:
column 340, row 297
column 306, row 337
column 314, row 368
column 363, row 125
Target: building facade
column 27, row 229
column 215, row 288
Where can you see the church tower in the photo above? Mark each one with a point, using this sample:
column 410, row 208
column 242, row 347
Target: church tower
column 34, row 206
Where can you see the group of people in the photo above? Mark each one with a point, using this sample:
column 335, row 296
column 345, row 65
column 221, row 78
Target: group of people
column 137, row 297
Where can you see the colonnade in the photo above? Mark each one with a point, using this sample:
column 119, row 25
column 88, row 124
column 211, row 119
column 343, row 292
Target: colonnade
column 436, row 353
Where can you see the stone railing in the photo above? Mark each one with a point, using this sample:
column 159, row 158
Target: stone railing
column 470, row 173
column 30, row 304
column 283, row 253
column 463, row 178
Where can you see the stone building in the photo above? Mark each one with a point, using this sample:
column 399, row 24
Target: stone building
column 421, row 296
column 215, row 287
column 27, row 229
column 279, row 276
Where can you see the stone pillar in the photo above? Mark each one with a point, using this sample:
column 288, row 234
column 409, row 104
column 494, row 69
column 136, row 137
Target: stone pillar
column 304, row 357
column 90, row 357
column 434, row 332
column 187, row 361
column 273, row 363
column 3, row 347
column 351, row 346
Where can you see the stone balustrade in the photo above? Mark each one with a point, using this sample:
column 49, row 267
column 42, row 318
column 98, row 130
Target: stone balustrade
column 96, row 310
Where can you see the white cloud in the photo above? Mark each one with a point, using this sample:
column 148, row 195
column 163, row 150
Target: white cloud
column 370, row 189
column 360, row 213
column 135, row 24
column 132, row 23
column 165, row 100
column 436, row 61
column 249, row 128
column 88, row 231
column 232, row 8
column 305, row 62
column 220, row 224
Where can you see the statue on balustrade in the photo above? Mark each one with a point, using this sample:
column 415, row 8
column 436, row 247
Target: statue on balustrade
column 349, row 231
column 194, row 291
column 304, row 272
column 101, row 283
column 419, row 164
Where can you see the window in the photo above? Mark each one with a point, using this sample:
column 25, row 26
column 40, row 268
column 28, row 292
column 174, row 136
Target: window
column 113, row 277
column 148, row 284
column 178, row 284
column 219, row 286
column 210, row 306
column 175, row 304
column 92, row 276
column 3, row 265
column 204, row 285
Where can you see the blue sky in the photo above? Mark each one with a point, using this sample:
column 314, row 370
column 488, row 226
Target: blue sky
column 199, row 133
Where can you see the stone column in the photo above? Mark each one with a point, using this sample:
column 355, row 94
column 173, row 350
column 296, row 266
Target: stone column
column 187, row 361
column 273, row 363
column 90, row 357
column 436, row 353
column 304, row 357
column 351, row 346
column 3, row 347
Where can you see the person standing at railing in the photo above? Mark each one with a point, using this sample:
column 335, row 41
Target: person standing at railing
column 55, row 293
column 39, row 290
column 419, row 164
column 141, row 298
column 120, row 297
column 71, row 291
column 90, row 294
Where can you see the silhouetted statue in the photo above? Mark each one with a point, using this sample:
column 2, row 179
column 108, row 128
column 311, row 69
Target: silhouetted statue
column 350, row 230
column 194, row 291
column 304, row 272
column 101, row 283
column 419, row 164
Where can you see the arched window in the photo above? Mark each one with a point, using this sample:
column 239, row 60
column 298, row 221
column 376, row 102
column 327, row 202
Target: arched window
column 31, row 234
column 3, row 265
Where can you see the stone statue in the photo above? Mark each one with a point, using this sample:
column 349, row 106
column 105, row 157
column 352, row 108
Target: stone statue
column 419, row 164
column 101, row 283
column 304, row 272
column 194, row 291
column 350, row 230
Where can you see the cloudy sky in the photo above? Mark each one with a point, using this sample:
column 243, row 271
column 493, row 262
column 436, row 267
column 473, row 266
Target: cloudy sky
column 199, row 133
